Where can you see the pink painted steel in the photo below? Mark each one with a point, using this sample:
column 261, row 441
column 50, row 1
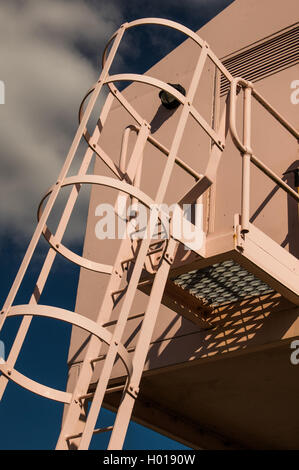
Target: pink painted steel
column 63, row 173
column 26, row 321
column 102, row 384
column 94, row 348
column 206, row 180
column 127, row 180
column 97, row 180
column 125, row 409
column 69, row 317
column 242, row 147
column 155, row 297
column 171, row 24
column 245, row 146
column 245, row 201
column 124, row 148
column 165, row 151
column 181, row 98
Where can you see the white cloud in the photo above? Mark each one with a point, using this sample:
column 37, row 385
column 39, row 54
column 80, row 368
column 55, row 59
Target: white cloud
column 45, row 50
column 45, row 77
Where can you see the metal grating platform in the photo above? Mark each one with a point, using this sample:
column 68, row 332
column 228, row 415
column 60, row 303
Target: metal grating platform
column 222, row 283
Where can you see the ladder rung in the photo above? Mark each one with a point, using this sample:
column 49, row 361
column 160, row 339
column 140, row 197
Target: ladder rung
column 100, row 430
column 118, row 291
column 128, row 260
column 109, row 390
column 113, row 322
column 96, row 431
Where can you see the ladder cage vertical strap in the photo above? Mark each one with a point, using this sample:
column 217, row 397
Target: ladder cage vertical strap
column 49, row 260
column 104, row 316
column 126, row 179
column 126, row 407
column 50, row 203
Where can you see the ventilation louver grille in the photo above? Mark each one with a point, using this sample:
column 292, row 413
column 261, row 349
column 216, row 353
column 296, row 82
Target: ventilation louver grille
column 264, row 59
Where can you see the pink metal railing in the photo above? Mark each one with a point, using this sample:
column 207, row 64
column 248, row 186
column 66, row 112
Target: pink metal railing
column 245, row 146
column 96, row 328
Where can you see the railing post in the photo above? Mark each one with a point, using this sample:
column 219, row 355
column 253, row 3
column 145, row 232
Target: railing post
column 246, row 160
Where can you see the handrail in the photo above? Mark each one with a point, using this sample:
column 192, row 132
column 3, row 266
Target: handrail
column 275, row 114
column 232, row 115
column 245, row 148
column 166, row 151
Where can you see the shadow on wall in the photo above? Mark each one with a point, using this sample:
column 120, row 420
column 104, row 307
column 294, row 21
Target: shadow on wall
column 162, row 115
column 292, row 239
column 236, row 327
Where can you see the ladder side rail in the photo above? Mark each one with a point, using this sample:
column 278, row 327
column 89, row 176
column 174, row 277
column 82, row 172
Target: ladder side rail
column 125, row 409
column 241, row 146
column 113, row 348
column 94, row 348
column 95, row 407
column 99, row 394
column 69, row 159
column 51, row 255
column 245, row 145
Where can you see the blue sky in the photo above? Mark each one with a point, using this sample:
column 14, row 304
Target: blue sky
column 50, row 54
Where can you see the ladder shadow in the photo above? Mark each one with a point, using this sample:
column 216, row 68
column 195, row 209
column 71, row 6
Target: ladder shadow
column 292, row 236
column 236, row 327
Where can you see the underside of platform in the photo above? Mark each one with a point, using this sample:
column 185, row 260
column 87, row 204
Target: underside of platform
column 232, row 385
column 244, row 400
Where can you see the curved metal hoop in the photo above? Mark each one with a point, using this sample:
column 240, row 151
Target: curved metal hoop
column 179, row 96
column 147, row 81
column 158, row 21
column 69, row 317
column 152, row 81
column 101, row 181
column 95, row 146
column 173, row 25
column 65, row 315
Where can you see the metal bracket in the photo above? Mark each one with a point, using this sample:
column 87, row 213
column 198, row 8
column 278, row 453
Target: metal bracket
column 239, row 237
column 133, row 391
column 170, row 251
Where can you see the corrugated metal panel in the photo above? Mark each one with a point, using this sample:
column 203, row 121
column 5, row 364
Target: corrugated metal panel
column 264, row 59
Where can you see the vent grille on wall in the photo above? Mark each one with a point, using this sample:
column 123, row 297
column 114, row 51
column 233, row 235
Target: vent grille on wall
column 265, row 58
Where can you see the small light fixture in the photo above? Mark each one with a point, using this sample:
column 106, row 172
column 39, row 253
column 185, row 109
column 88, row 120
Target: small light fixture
column 168, row 100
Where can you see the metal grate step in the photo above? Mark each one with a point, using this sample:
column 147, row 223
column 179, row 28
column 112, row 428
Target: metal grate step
column 222, row 283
